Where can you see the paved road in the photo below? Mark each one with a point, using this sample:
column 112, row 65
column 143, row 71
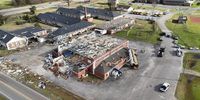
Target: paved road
column 12, row 11
column 165, row 69
column 14, row 90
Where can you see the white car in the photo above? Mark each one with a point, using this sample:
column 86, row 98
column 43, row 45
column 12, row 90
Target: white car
column 164, row 87
column 179, row 53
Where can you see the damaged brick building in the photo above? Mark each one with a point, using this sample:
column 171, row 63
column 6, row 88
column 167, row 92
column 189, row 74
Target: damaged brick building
column 91, row 53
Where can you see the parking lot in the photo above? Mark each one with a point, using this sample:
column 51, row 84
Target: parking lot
column 141, row 84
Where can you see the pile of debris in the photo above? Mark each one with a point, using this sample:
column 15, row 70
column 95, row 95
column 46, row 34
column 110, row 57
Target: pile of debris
column 21, row 74
column 91, row 45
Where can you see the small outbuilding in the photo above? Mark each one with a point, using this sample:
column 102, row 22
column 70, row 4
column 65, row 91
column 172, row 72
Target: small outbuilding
column 126, row 8
column 182, row 19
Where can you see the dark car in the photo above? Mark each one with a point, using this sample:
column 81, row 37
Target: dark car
column 160, row 52
column 174, row 37
column 162, row 34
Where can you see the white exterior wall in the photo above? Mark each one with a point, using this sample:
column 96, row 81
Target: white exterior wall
column 41, row 33
column 16, row 43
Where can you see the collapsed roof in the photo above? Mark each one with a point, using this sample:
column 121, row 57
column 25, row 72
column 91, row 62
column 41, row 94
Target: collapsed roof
column 26, row 32
column 92, row 45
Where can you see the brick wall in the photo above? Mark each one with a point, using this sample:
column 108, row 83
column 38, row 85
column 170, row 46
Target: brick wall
column 98, row 60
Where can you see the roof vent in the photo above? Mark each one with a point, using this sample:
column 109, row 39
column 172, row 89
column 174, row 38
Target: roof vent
column 24, row 32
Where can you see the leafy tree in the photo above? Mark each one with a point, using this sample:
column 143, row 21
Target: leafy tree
column 32, row 9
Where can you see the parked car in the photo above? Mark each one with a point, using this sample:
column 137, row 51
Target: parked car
column 174, row 37
column 163, row 34
column 168, row 35
column 160, row 52
column 164, row 87
column 179, row 53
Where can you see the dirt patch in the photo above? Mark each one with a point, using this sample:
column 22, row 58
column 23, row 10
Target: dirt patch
column 192, row 63
column 195, row 19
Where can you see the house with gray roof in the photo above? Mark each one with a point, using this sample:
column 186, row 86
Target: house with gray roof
column 101, row 13
column 30, row 32
column 10, row 41
column 71, row 30
column 73, row 12
column 55, row 19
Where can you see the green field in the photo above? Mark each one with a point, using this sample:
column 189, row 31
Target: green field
column 3, row 97
column 148, row 7
column 141, row 31
column 188, row 88
column 4, row 52
column 188, row 33
column 5, row 4
column 192, row 61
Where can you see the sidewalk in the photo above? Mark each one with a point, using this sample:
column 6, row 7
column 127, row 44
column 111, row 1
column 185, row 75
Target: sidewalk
column 191, row 72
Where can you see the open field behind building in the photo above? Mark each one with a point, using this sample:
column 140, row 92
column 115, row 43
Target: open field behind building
column 5, row 4
column 141, row 31
column 188, row 33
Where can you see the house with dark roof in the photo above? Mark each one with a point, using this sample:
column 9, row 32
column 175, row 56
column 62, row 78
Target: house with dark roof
column 126, row 8
column 30, row 32
column 10, row 41
column 57, row 19
column 72, row 12
column 101, row 13
column 69, row 31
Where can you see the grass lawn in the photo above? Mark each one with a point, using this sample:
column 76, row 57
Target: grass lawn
column 11, row 21
column 3, row 97
column 196, row 13
column 12, row 26
column 51, row 91
column 188, row 88
column 195, row 5
column 141, row 31
column 98, row 22
column 147, row 7
column 46, row 10
column 192, row 61
column 4, row 52
column 188, row 33
column 5, row 4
